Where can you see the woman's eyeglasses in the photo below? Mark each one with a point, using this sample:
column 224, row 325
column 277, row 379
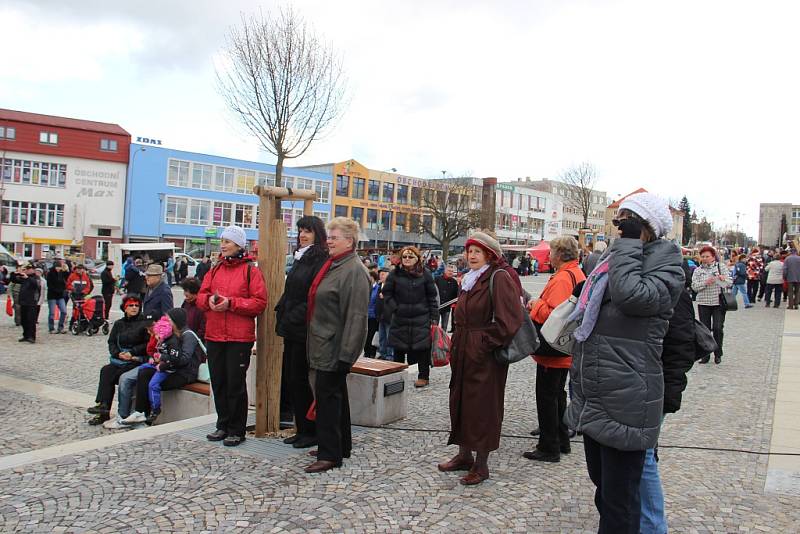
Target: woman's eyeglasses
column 409, row 257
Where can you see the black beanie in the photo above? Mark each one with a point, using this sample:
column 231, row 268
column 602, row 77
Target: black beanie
column 178, row 317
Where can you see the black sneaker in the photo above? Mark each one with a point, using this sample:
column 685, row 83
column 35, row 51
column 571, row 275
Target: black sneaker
column 217, row 435
column 305, row 442
column 536, row 454
column 97, row 408
column 233, row 441
column 99, row 419
column 151, row 419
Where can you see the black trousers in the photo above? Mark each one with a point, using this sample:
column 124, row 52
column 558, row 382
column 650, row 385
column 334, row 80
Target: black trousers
column 334, row 440
column 616, row 475
column 173, row 381
column 714, row 319
column 420, row 357
column 551, row 402
column 752, row 290
column 109, row 378
column 107, row 298
column 444, row 319
column 777, row 289
column 227, row 365
column 372, row 327
column 29, row 318
column 298, row 387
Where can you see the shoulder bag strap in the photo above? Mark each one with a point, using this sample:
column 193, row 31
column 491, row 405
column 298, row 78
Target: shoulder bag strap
column 491, row 288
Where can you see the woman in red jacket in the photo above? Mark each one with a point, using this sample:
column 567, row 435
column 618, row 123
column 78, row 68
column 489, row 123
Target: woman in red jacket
column 232, row 295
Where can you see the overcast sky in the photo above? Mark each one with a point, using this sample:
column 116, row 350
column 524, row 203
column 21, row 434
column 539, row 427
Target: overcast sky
column 681, row 97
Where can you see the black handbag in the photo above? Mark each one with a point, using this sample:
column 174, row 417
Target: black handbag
column 704, row 342
column 726, row 298
column 525, row 341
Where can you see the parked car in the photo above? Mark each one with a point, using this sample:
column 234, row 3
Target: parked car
column 98, row 268
column 190, row 260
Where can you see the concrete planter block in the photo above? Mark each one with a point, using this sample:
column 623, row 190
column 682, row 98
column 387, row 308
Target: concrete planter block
column 378, row 400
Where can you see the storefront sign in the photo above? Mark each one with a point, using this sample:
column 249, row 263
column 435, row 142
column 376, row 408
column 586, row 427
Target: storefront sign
column 505, row 187
column 211, row 231
column 148, row 141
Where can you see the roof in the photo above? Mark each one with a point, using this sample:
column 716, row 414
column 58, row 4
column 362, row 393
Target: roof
column 62, row 122
column 617, row 202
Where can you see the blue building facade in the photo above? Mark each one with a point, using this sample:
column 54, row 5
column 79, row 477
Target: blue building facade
column 187, row 197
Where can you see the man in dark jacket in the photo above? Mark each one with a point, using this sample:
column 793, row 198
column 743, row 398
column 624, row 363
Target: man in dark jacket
column 158, row 300
column 29, row 295
column 134, row 279
column 447, row 285
column 677, row 358
column 109, row 286
column 56, row 289
column 203, row 268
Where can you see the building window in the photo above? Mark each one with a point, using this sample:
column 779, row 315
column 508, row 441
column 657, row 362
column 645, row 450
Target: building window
column 245, row 181
column 303, row 183
column 388, row 192
column 386, row 220
column 223, row 214
column 7, row 132
column 223, row 180
column 340, row 211
column 402, row 194
column 287, row 181
column 322, row 215
column 372, row 219
column 266, row 179
column 201, row 176
column 323, row 190
column 104, row 232
column 416, row 196
column 27, row 172
column 178, row 173
column 358, row 215
column 290, row 218
column 358, row 188
column 48, row 138
column 427, row 221
column 243, row 215
column 414, row 227
column 108, row 145
column 400, row 222
column 32, row 214
column 199, row 212
column 342, row 185
column 374, row 191
column 177, row 210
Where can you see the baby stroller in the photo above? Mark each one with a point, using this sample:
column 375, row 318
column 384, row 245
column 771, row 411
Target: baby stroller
column 88, row 315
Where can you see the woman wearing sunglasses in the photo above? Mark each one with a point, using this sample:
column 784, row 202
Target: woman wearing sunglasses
column 623, row 314
column 409, row 295
column 127, row 344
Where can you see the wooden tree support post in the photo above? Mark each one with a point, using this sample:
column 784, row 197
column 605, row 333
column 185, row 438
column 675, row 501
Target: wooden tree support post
column 271, row 262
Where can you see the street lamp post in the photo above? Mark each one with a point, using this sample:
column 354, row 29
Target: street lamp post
column 127, row 220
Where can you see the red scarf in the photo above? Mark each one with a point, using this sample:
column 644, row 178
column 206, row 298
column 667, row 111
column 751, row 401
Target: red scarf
column 312, row 293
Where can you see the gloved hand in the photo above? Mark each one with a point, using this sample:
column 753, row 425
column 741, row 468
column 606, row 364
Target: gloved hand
column 630, row 228
column 343, row 367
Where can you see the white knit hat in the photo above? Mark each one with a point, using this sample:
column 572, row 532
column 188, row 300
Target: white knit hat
column 652, row 209
column 235, row 234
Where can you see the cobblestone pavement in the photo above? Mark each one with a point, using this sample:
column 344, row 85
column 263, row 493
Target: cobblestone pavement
column 28, row 423
column 173, row 483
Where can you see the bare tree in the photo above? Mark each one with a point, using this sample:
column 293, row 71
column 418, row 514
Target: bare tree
column 285, row 85
column 450, row 211
column 580, row 181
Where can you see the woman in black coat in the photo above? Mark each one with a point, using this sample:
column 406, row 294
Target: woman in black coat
column 409, row 294
column 290, row 324
column 127, row 349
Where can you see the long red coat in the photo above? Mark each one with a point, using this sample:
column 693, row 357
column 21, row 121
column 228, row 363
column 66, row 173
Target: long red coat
column 478, row 382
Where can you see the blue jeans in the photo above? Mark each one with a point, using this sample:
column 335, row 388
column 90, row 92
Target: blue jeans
column 62, row 310
column 741, row 288
column 154, row 387
column 387, row 353
column 127, row 386
column 653, row 519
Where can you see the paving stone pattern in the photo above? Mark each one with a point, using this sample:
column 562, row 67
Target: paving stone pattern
column 175, row 483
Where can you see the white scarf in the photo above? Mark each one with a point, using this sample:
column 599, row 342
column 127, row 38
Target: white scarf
column 471, row 277
column 299, row 252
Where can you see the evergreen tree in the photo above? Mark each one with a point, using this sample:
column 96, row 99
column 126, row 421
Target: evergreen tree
column 687, row 219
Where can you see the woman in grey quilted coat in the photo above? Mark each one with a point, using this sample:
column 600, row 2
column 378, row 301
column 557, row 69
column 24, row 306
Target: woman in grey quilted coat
column 618, row 384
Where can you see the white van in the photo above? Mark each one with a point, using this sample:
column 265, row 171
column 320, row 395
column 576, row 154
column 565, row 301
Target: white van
column 192, row 263
column 149, row 251
column 8, row 259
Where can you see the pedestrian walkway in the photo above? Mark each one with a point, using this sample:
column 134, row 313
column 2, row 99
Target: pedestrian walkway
column 714, row 454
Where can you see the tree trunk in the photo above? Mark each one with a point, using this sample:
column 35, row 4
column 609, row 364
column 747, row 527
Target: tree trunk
column 445, row 249
column 277, row 213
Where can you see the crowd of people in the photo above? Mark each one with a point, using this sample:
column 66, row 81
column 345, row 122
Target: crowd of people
column 634, row 340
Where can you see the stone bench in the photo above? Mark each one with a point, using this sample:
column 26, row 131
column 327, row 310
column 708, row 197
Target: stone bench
column 378, row 392
column 192, row 400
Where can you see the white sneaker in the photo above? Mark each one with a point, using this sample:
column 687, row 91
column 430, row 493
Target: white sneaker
column 115, row 424
column 135, row 417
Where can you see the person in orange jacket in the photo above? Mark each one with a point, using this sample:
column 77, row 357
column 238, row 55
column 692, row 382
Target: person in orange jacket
column 79, row 281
